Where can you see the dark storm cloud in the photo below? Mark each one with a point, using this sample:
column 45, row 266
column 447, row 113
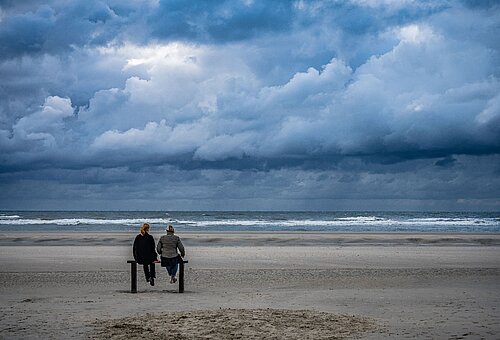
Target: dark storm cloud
column 220, row 20
column 226, row 21
column 55, row 30
column 446, row 162
column 418, row 184
column 250, row 100
column 481, row 3
column 43, row 52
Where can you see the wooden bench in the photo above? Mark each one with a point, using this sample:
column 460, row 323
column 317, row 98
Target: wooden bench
column 133, row 275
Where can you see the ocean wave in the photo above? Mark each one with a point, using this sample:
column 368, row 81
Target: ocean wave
column 452, row 221
column 9, row 217
column 345, row 221
column 85, row 221
column 271, row 223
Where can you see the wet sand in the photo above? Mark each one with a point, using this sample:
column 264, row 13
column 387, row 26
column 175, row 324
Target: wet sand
column 251, row 239
column 396, row 289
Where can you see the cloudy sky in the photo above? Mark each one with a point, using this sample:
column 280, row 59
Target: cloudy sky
column 250, row 105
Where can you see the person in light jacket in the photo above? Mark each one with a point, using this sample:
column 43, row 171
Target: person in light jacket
column 167, row 248
column 145, row 253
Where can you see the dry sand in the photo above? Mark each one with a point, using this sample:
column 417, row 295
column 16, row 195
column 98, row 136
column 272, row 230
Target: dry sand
column 385, row 287
column 236, row 324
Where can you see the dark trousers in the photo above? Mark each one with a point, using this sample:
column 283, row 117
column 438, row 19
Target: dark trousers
column 171, row 264
column 149, row 271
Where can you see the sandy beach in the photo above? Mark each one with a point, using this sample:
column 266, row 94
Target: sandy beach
column 255, row 285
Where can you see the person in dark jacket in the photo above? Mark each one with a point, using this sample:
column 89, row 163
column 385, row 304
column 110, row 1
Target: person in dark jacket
column 145, row 253
column 167, row 248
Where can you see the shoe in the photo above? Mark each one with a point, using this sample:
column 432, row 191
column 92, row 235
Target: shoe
column 174, row 280
column 171, row 280
column 152, row 282
column 148, row 279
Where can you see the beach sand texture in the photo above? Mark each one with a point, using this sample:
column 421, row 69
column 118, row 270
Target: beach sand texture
column 386, row 290
column 236, row 324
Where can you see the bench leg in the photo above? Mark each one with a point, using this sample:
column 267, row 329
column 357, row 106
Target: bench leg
column 181, row 276
column 133, row 276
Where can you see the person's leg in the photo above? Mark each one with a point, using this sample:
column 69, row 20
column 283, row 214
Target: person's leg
column 145, row 266
column 152, row 273
column 174, row 269
column 152, row 270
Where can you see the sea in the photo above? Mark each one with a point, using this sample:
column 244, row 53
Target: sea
column 235, row 221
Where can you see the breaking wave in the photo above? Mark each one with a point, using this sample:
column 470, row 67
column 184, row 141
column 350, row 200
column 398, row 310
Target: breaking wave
column 253, row 221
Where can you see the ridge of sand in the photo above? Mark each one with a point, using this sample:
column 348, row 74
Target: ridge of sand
column 236, row 324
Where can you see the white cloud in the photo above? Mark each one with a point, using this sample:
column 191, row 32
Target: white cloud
column 45, row 126
column 227, row 146
column 491, row 113
column 153, row 138
column 416, row 34
column 304, row 86
column 395, row 4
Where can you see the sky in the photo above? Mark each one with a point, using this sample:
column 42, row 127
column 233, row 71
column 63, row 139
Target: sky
column 250, row 105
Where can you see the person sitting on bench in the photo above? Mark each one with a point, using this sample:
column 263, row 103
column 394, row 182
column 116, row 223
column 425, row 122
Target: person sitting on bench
column 145, row 253
column 167, row 248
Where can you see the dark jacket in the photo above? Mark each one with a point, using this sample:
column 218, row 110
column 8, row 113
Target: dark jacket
column 144, row 249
